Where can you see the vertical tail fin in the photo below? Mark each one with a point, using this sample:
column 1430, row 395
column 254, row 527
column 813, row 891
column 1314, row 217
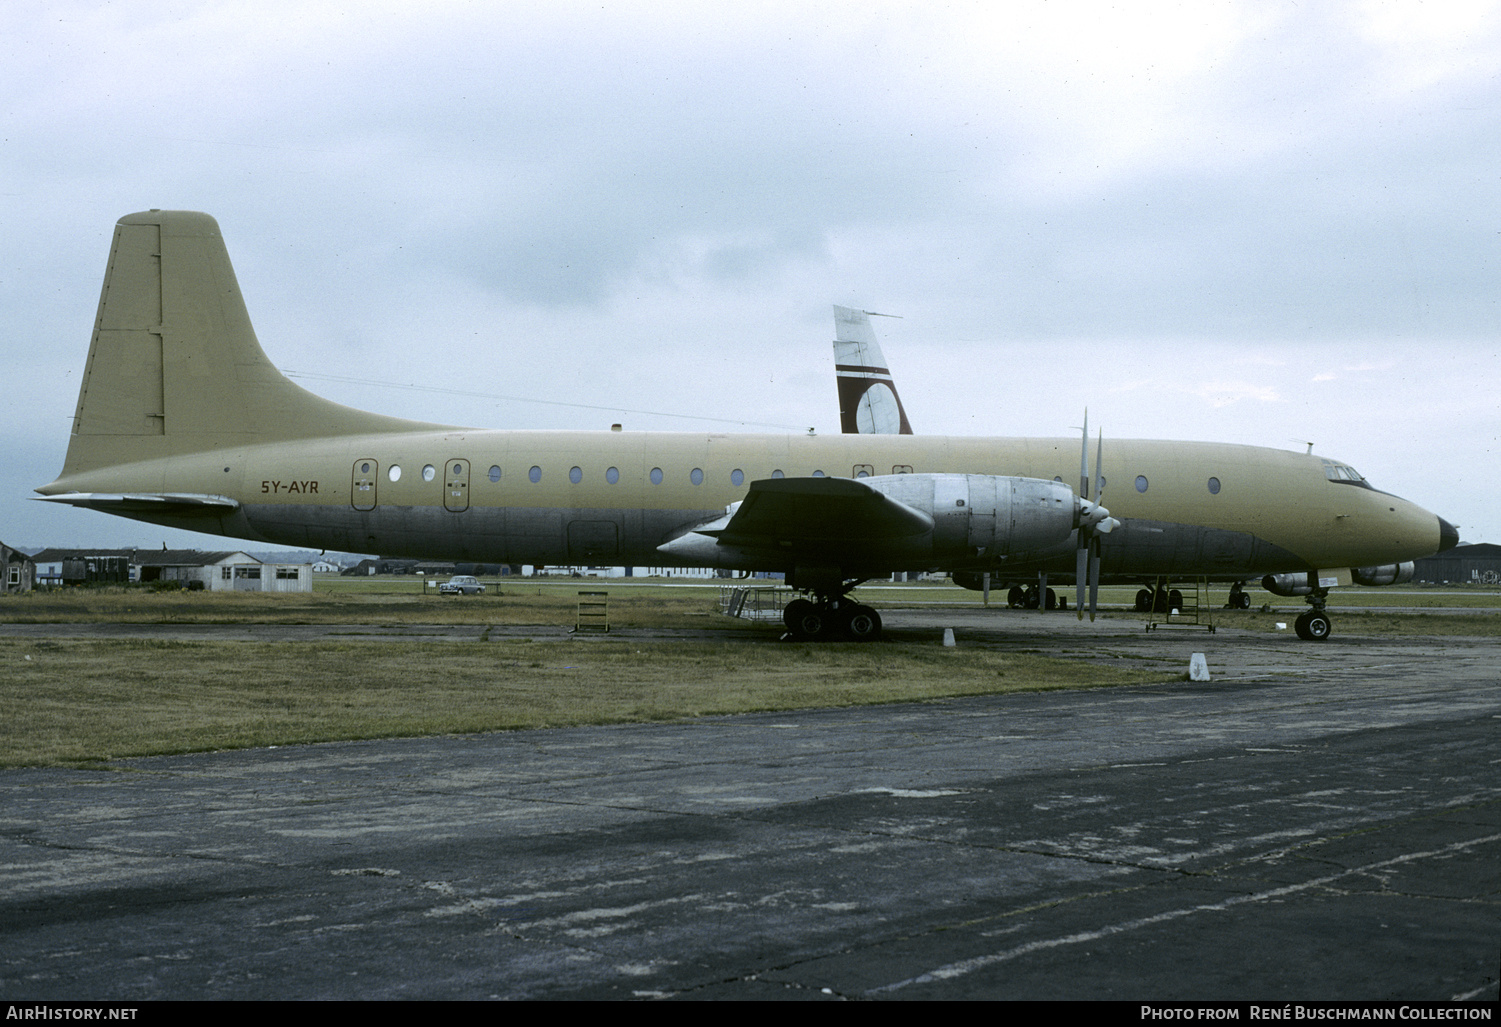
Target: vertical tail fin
column 868, row 401
column 174, row 365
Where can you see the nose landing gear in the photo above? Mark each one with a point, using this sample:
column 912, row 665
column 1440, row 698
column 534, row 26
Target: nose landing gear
column 1314, row 626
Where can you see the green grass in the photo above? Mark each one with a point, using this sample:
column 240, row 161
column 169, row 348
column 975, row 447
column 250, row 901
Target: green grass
column 523, row 605
column 77, row 701
column 71, row 702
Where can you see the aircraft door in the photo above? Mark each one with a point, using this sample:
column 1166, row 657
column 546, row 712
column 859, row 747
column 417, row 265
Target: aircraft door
column 362, row 485
column 456, row 485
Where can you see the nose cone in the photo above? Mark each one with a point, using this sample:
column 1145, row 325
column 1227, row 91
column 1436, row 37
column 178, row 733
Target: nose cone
column 1448, row 535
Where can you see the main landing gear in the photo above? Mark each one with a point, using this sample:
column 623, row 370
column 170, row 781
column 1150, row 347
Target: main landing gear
column 828, row 617
column 1314, row 626
column 1031, row 597
column 1159, row 599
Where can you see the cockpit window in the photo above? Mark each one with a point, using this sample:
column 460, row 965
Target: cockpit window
column 1344, row 474
column 1341, row 472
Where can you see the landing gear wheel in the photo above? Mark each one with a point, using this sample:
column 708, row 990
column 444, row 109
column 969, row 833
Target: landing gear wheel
column 1051, row 599
column 1313, row 626
column 1143, row 600
column 807, row 621
column 861, row 623
column 1016, row 597
column 793, row 612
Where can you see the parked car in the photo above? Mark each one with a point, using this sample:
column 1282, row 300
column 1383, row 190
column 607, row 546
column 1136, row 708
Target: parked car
column 461, row 584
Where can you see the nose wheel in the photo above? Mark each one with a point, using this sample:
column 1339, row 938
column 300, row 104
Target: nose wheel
column 1314, row 626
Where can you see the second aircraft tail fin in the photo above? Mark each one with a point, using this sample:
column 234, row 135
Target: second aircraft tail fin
column 868, row 401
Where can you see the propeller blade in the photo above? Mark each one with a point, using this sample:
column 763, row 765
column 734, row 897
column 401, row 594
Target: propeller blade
column 1079, row 575
column 1099, row 467
column 1082, row 558
column 1084, row 459
column 1094, row 576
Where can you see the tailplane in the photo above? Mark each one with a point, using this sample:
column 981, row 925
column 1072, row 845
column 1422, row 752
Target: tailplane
column 174, row 366
column 868, row 402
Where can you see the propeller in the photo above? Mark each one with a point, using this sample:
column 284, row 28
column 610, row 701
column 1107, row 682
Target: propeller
column 1094, row 521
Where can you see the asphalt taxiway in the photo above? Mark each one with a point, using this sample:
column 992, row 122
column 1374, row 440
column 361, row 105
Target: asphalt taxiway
column 1315, row 822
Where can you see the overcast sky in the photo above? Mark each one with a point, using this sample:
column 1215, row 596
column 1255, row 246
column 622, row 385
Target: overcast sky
column 1263, row 222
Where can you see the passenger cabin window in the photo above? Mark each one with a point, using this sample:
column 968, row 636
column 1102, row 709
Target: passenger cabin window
column 901, row 468
column 737, row 477
column 656, row 475
column 394, row 473
column 429, row 472
column 1141, row 482
column 535, row 474
column 696, row 476
column 612, row 475
column 575, row 474
column 778, row 474
column 862, row 471
column 1214, row 486
column 495, row 473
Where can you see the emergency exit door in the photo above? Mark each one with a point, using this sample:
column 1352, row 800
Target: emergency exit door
column 456, row 485
column 362, row 485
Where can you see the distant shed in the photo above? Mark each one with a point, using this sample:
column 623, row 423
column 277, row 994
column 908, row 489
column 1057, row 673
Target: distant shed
column 17, row 570
column 221, row 571
column 215, row 571
column 83, row 566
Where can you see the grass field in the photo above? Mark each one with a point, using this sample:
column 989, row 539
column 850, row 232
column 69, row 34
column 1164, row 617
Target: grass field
column 76, row 701
column 66, row 701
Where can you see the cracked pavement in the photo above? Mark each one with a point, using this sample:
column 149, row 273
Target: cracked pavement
column 1317, row 822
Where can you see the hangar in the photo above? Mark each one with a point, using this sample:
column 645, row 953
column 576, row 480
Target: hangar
column 1474, row 564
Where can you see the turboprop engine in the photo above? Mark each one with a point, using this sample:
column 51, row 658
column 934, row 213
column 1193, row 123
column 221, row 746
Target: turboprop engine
column 1301, row 583
column 982, row 516
column 829, row 529
column 1385, row 574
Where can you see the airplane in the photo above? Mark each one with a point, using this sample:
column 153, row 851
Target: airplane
column 855, row 343
column 182, row 420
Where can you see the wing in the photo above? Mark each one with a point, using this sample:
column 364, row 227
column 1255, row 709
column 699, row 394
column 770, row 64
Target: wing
column 804, row 518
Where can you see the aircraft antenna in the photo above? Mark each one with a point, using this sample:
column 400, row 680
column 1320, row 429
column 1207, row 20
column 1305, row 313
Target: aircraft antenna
column 412, row 387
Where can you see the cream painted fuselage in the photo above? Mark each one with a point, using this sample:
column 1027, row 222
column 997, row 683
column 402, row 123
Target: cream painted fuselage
column 1186, row 509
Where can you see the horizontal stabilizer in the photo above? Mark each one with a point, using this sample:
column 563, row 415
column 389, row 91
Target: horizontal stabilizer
column 176, row 504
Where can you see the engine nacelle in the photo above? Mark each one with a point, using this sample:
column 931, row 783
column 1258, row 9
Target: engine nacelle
column 981, row 516
column 1385, row 574
column 1301, row 583
column 822, row 533
column 972, row 580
